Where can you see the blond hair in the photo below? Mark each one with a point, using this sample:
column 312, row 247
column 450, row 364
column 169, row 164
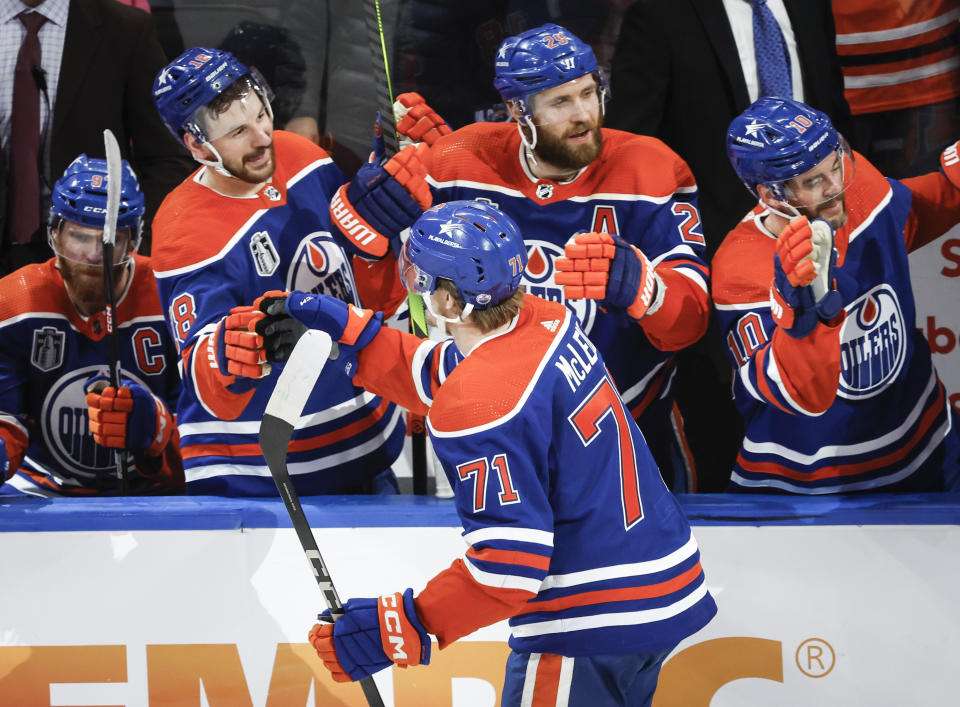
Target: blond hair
column 492, row 317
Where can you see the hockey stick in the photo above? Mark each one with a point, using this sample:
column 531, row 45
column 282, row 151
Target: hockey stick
column 418, row 321
column 114, row 179
column 282, row 413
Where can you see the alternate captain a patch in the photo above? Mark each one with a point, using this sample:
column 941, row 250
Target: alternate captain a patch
column 47, row 351
column 265, row 256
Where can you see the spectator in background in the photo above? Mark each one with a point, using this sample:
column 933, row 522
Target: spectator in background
column 901, row 71
column 68, row 70
column 53, row 340
column 682, row 70
column 831, row 410
column 446, row 50
column 284, row 40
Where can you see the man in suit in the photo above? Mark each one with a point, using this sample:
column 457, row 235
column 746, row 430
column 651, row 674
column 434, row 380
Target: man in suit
column 97, row 63
column 682, row 70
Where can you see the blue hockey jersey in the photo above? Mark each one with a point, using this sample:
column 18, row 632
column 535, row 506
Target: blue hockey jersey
column 214, row 252
column 638, row 189
column 860, row 409
column 47, row 352
column 572, row 533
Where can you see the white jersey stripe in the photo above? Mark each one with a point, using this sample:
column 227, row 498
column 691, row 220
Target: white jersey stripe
column 211, row 470
column 523, row 535
column 845, row 450
column 621, row 618
column 871, row 483
column 633, row 569
column 252, row 427
column 502, row 581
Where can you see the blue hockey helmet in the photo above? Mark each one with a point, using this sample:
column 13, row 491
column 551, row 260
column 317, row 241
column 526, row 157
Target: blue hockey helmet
column 80, row 195
column 474, row 245
column 777, row 139
column 539, row 59
column 187, row 85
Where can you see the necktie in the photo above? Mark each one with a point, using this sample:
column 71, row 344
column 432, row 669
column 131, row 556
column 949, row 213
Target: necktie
column 773, row 61
column 25, row 133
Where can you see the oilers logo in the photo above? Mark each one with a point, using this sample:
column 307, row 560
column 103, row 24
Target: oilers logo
column 539, row 280
column 320, row 266
column 66, row 427
column 873, row 343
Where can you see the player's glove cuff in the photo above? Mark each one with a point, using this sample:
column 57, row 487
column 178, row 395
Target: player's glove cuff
column 345, row 323
column 950, row 164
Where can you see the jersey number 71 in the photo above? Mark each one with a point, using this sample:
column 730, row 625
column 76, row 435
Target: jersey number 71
column 603, row 401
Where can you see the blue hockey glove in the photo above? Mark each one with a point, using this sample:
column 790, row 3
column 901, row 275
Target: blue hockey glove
column 804, row 287
column 345, row 323
column 371, row 635
column 129, row 417
column 4, row 461
column 376, row 205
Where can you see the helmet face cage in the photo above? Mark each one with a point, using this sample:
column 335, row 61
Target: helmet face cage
column 184, row 88
column 776, row 142
column 540, row 59
column 80, row 196
column 470, row 243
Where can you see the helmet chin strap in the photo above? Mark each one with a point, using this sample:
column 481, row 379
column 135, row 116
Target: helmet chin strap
column 529, row 143
column 441, row 320
column 216, row 165
column 787, row 215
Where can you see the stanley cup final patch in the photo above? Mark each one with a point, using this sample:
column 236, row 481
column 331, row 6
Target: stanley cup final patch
column 47, row 351
column 265, row 256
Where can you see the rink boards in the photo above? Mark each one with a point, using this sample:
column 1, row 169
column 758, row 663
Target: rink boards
column 202, row 601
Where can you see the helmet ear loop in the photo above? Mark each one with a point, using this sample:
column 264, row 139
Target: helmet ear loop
column 529, row 143
column 216, row 165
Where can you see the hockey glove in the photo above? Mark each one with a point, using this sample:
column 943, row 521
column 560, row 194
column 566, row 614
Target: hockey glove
column 373, row 208
column 416, row 121
column 607, row 268
column 345, row 323
column 370, row 636
column 239, row 349
column 128, row 417
column 804, row 289
column 950, row 164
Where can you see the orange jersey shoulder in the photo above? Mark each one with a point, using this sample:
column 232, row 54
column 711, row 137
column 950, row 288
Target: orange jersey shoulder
column 195, row 223
column 39, row 288
column 637, row 164
column 742, row 268
column 628, row 164
column 33, row 288
column 496, row 377
column 481, row 152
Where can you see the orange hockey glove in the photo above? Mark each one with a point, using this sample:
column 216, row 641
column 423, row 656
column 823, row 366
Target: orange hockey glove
column 607, row 268
column 416, row 121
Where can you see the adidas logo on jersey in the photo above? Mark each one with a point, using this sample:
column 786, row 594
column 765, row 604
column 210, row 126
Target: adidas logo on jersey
column 551, row 326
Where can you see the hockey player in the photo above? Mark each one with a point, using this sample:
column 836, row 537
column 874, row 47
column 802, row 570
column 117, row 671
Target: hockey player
column 558, row 173
column 254, row 218
column 573, row 535
column 59, row 421
column 831, row 409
